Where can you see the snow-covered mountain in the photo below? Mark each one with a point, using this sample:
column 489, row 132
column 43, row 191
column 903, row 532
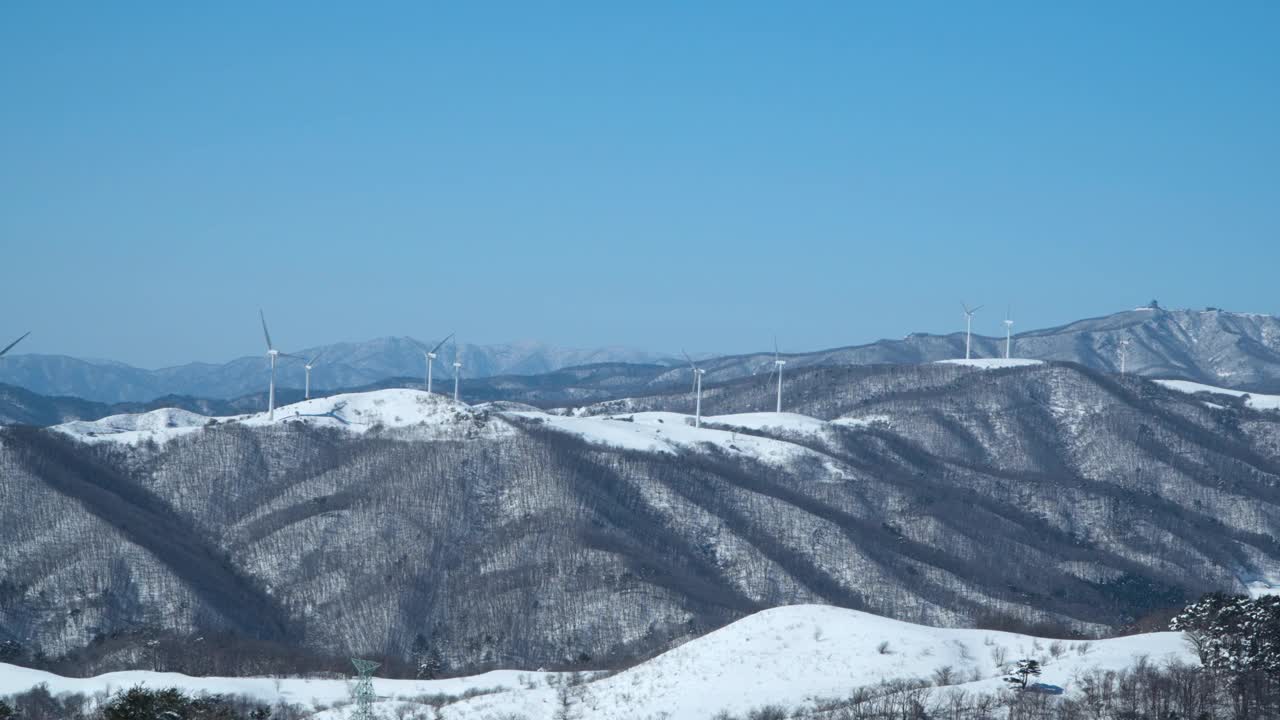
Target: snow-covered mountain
column 342, row 365
column 793, row 657
column 1215, row 347
column 500, row 534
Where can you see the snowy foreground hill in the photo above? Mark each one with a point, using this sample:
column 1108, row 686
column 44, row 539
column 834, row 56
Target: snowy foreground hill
column 499, row 535
column 789, row 656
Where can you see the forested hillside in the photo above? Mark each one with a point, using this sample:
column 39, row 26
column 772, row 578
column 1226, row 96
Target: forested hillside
column 498, row 535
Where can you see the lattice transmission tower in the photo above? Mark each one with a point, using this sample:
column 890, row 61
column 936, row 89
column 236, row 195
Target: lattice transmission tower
column 362, row 694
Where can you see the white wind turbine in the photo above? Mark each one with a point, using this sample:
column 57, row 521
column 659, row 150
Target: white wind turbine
column 9, row 347
column 1008, row 334
column 457, row 370
column 310, row 364
column 968, row 326
column 697, row 390
column 430, row 355
column 273, row 354
column 777, row 368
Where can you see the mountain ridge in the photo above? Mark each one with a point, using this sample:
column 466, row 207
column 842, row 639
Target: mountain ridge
column 1216, row 347
column 938, row 493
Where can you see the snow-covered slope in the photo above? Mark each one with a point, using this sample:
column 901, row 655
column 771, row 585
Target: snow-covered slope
column 793, row 655
column 993, row 363
column 674, row 432
column 422, row 415
column 427, row 415
column 308, row 693
column 789, row 656
column 1253, row 400
column 158, row 425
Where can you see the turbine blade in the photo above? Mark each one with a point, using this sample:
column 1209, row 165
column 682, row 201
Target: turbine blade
column 441, row 343
column 313, row 360
column 265, row 334
column 686, row 357
column 977, row 308
column 15, row 342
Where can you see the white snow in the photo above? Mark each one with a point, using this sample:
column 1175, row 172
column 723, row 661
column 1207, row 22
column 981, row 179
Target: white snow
column 1255, row 401
column 793, row 655
column 668, row 432
column 430, row 415
column 310, row 693
column 771, row 422
column 159, row 425
column 864, row 421
column 789, row 656
column 993, row 363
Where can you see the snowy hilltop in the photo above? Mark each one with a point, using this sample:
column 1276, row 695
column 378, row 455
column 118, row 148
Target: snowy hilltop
column 796, row 657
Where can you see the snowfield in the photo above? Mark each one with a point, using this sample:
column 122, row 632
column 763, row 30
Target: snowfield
column 1257, row 402
column 668, row 432
column 430, row 415
column 993, row 363
column 159, row 425
column 790, row 656
column 422, row 416
column 311, row 694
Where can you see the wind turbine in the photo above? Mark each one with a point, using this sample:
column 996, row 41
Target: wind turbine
column 309, row 364
column 15, row 342
column 1008, row 333
column 273, row 354
column 1124, row 353
column 777, row 367
column 457, row 370
column 430, row 355
column 968, row 326
column 697, row 390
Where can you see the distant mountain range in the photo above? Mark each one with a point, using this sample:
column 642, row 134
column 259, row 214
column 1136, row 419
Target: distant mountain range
column 1215, row 347
column 342, row 365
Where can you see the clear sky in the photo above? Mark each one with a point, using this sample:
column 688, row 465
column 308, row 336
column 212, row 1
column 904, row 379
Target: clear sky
column 654, row 174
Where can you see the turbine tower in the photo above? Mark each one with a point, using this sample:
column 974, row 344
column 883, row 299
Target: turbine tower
column 430, row 355
column 457, row 371
column 697, row 390
column 968, row 326
column 1124, row 354
column 273, row 354
column 310, row 364
column 777, row 366
column 9, row 347
column 1008, row 334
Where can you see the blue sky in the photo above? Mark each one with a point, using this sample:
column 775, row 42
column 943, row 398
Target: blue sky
column 661, row 175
